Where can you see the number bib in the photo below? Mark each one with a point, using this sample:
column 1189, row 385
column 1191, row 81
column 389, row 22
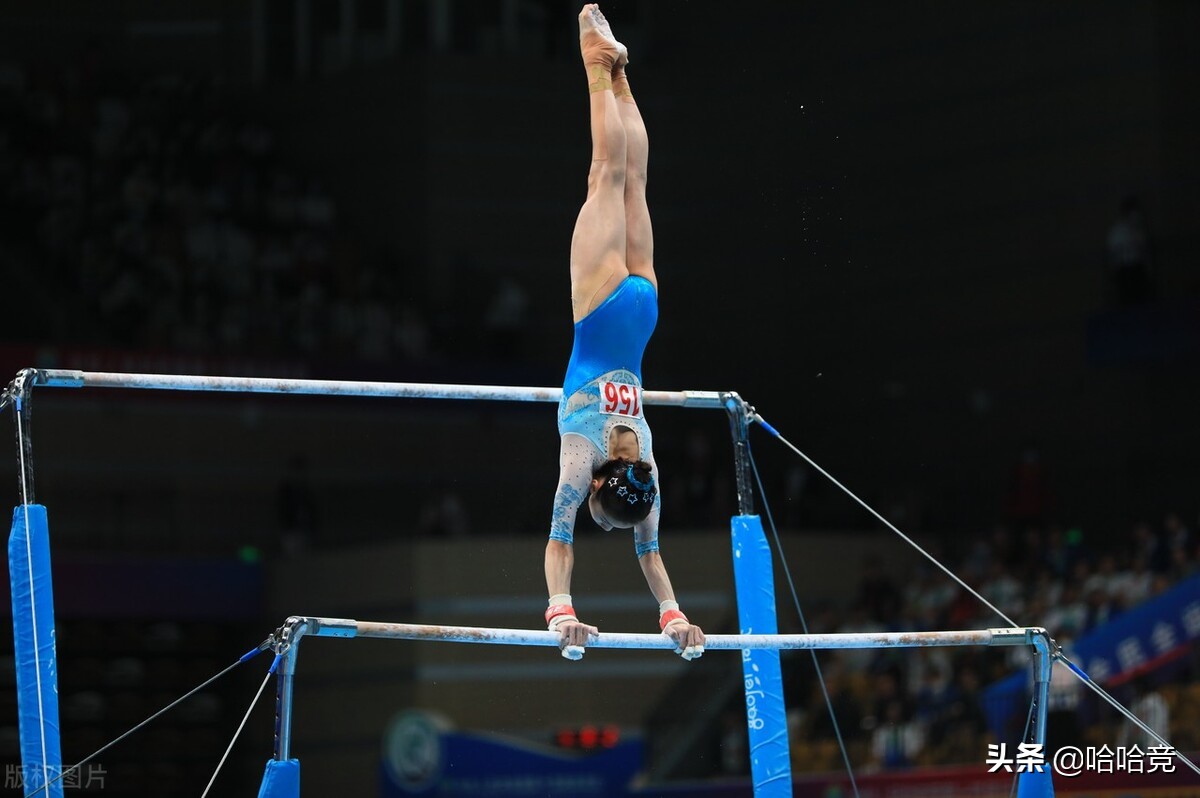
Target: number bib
column 620, row 399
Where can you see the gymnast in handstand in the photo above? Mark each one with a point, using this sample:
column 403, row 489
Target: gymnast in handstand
column 606, row 451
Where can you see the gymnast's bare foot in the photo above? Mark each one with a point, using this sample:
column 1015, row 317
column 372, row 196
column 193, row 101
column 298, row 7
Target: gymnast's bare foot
column 596, row 40
column 606, row 31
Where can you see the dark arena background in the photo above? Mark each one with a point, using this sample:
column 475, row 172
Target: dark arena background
column 950, row 250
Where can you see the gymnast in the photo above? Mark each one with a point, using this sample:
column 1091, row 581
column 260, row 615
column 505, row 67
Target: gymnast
column 606, row 451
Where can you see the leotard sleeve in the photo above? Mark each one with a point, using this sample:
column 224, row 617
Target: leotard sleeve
column 576, row 456
column 645, row 532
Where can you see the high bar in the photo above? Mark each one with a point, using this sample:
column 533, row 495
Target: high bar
column 69, row 378
column 344, row 627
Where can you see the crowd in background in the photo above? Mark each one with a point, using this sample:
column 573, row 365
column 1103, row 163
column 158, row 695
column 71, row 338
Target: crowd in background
column 900, row 708
column 146, row 212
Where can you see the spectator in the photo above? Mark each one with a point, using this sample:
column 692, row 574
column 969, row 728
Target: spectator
column 1139, row 583
column 1152, row 709
column 1129, row 257
column 1150, row 548
column 877, row 592
column 898, row 740
column 1176, row 535
column 846, row 708
column 1068, row 617
column 959, row 728
column 935, row 691
column 1003, row 590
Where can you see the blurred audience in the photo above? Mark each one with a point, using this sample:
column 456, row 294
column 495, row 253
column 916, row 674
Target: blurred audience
column 925, row 706
column 149, row 213
column 1151, row 708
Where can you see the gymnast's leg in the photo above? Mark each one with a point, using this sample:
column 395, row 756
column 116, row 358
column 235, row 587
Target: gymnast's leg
column 598, row 244
column 639, row 237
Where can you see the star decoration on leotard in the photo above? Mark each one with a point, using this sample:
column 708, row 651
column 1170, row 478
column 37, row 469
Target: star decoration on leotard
column 621, row 491
column 612, row 483
column 632, row 498
column 647, row 497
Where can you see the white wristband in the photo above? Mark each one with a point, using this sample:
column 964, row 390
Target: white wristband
column 665, row 606
column 560, row 598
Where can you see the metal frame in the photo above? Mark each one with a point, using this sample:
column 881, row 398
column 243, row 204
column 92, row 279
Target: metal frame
column 287, row 645
column 287, row 638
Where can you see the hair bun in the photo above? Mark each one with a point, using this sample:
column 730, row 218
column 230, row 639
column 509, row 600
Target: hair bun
column 642, row 478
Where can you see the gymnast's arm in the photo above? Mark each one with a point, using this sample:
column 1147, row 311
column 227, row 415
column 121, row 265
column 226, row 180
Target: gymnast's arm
column 574, row 480
column 688, row 637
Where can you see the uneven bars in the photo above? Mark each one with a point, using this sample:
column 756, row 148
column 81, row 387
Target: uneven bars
column 69, row 378
column 345, row 627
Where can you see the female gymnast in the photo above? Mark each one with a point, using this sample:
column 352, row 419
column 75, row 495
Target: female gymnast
column 606, row 452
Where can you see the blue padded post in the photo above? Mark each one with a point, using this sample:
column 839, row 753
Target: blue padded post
column 766, row 719
column 1036, row 785
column 33, row 641
column 281, row 779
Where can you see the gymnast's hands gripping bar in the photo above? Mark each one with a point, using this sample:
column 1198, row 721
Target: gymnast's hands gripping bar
column 68, row 378
column 344, row 627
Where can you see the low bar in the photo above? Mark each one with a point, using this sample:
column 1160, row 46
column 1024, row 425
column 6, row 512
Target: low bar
column 66, row 378
column 295, row 628
column 344, row 627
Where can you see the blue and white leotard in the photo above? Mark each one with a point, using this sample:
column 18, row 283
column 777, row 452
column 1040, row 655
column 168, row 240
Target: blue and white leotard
column 609, row 343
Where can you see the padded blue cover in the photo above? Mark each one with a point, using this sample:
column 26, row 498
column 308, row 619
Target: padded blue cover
column 33, row 641
column 281, row 779
column 766, row 718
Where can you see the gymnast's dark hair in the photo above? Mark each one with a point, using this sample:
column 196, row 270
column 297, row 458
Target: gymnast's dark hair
column 627, row 492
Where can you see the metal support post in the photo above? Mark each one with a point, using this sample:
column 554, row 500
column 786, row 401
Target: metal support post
column 288, row 647
column 19, row 393
column 1043, row 664
column 740, row 415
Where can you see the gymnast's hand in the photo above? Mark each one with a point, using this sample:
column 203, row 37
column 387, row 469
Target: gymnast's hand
column 573, row 637
column 689, row 639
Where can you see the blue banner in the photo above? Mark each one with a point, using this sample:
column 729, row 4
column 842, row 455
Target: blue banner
column 1143, row 638
column 1147, row 636
column 33, row 641
column 766, row 718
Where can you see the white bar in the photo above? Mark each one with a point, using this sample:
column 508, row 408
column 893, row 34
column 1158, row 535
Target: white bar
column 342, row 627
column 65, row 378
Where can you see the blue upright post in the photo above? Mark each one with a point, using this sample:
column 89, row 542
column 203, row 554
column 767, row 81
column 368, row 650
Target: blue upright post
column 1039, row 784
column 754, row 578
column 33, row 641
column 766, row 718
column 282, row 776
